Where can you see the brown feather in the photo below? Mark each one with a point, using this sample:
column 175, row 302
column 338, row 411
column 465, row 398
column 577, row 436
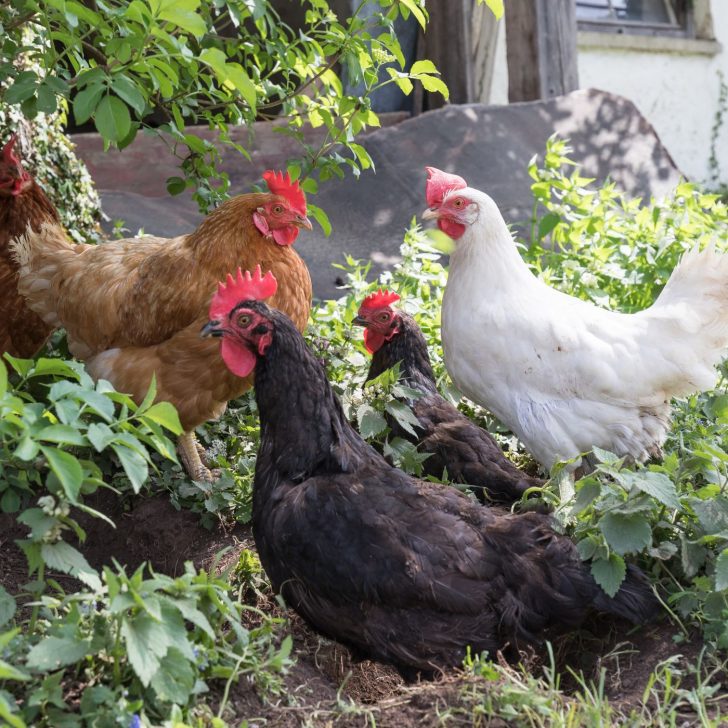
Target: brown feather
column 22, row 332
column 134, row 308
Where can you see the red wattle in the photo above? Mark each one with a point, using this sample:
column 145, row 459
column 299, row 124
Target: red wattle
column 285, row 235
column 238, row 358
column 454, row 229
column 373, row 340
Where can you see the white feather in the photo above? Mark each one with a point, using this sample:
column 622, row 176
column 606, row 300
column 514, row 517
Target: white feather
column 563, row 374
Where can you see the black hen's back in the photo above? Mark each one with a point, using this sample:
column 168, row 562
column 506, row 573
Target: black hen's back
column 468, row 453
column 406, row 571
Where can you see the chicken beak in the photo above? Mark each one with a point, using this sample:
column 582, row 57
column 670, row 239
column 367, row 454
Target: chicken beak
column 304, row 222
column 211, row 328
column 359, row 321
column 431, row 213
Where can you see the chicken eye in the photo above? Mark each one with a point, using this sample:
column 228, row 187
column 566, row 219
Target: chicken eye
column 243, row 319
column 458, row 202
column 383, row 317
column 277, row 209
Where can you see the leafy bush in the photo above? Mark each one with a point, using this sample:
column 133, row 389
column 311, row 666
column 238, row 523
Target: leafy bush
column 50, row 446
column 47, row 153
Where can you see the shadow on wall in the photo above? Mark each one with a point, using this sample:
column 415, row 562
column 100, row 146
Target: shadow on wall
column 490, row 146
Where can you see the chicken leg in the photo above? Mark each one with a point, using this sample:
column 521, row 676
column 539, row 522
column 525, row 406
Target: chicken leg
column 190, row 454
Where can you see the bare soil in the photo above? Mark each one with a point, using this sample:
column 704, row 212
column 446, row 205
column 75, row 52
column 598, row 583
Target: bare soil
column 327, row 685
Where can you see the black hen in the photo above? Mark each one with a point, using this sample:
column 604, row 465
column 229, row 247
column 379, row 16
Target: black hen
column 468, row 452
column 406, row 571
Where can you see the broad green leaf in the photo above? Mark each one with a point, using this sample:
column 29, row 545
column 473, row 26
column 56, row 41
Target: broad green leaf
column 100, row 435
column 174, row 679
column 182, row 13
column 127, row 90
column 371, row 423
column 3, row 379
column 9, row 672
column 112, row 119
column 135, row 466
column 721, row 571
column 415, row 9
column 658, row 485
column 54, row 652
column 434, row 85
column 609, row 573
column 67, row 469
column 321, row 218
column 424, row 66
column 7, row 607
column 626, row 533
column 12, row 719
column 64, row 557
column 62, row 434
column 165, row 414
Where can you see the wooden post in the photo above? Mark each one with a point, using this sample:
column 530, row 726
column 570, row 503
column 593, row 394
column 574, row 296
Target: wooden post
column 541, row 48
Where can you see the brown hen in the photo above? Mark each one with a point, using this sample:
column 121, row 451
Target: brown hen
column 22, row 203
column 134, row 308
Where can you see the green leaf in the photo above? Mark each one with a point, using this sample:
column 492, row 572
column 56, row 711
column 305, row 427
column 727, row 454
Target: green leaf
column 7, row 607
column 165, row 414
column 721, row 571
column 658, row 485
column 434, row 85
column 64, row 557
column 176, row 185
column 371, row 423
column 62, row 434
column 67, row 469
column 14, row 721
column 547, row 223
column 3, row 379
column 626, row 533
column 181, row 13
column 54, row 652
column 415, row 9
column 135, row 466
column 10, row 501
column 496, row 7
column 127, row 90
column 609, row 573
column 321, row 218
column 27, row 449
column 174, row 679
column 424, row 66
column 112, row 119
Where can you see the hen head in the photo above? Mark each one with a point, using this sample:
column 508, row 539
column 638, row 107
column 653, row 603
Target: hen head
column 449, row 202
column 285, row 214
column 14, row 180
column 380, row 320
column 238, row 315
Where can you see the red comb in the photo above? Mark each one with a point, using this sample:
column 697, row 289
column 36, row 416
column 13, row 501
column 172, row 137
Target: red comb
column 244, row 287
column 439, row 183
column 9, row 156
column 379, row 299
column 280, row 184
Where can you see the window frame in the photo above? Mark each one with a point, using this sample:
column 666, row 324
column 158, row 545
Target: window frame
column 683, row 27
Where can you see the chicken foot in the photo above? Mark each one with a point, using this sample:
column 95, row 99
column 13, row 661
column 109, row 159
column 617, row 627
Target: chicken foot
column 191, row 455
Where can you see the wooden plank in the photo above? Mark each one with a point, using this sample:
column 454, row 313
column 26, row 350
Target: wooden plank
column 541, row 48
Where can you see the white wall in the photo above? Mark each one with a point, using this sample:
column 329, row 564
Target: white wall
column 675, row 86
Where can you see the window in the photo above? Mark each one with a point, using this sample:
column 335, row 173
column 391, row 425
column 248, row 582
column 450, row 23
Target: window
column 653, row 17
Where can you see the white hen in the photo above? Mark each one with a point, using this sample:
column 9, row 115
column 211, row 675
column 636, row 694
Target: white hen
column 561, row 373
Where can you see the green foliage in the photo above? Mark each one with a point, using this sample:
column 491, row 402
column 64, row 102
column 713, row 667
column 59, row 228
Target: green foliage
column 56, row 424
column 150, row 642
column 596, row 244
column 48, row 155
column 127, row 65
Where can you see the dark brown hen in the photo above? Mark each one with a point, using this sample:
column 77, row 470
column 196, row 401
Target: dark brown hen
column 405, row 571
column 456, row 445
column 22, row 203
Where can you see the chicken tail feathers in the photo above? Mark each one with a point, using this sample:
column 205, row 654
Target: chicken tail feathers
column 635, row 601
column 693, row 310
column 36, row 254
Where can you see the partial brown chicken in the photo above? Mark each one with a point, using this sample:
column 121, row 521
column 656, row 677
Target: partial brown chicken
column 22, row 203
column 134, row 308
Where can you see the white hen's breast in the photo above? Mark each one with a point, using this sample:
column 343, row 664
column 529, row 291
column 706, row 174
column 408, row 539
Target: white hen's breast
column 556, row 371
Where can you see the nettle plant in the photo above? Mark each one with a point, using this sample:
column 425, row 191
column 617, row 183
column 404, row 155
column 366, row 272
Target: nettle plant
column 57, row 429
